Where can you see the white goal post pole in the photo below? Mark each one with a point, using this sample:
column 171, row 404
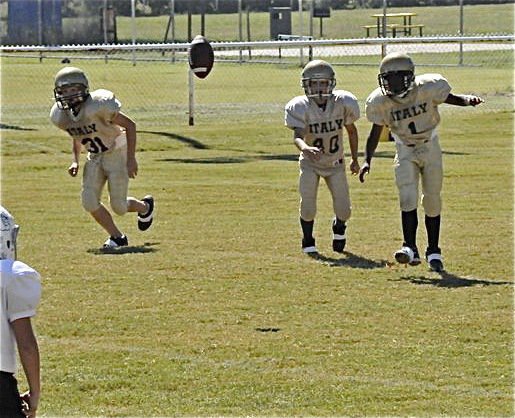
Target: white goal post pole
column 383, row 24
column 191, row 97
column 301, row 33
column 133, row 29
column 461, row 32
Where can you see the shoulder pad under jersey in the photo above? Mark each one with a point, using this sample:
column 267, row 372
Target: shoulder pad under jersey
column 104, row 102
column 376, row 107
column 294, row 112
column 23, row 291
column 435, row 85
column 59, row 117
column 350, row 102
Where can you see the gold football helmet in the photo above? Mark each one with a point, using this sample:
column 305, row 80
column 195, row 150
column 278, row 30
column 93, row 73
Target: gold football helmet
column 71, row 88
column 318, row 80
column 396, row 74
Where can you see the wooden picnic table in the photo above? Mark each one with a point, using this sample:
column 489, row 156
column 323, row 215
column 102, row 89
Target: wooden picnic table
column 403, row 23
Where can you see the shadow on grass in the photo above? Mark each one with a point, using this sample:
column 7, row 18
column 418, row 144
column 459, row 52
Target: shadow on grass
column 15, row 127
column 194, row 143
column 267, row 329
column 249, row 158
column 450, row 280
column 455, row 153
column 232, row 160
column 391, row 154
column 134, row 249
column 208, row 160
column 263, row 157
column 350, row 260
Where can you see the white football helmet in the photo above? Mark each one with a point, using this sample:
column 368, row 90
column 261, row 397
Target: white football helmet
column 396, row 74
column 318, row 80
column 71, row 88
column 8, row 234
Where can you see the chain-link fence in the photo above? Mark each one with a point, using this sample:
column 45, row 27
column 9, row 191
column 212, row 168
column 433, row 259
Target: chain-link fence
column 249, row 80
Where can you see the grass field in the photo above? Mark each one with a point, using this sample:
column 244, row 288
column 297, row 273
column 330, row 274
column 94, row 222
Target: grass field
column 442, row 20
column 215, row 311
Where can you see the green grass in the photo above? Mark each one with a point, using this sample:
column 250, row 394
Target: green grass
column 215, row 310
column 478, row 19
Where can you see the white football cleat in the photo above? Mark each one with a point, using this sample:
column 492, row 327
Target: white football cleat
column 310, row 250
column 308, row 246
column 404, row 256
column 118, row 242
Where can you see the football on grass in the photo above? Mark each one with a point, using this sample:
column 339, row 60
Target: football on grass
column 201, row 56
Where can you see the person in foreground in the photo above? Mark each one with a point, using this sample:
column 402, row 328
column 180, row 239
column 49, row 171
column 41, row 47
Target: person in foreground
column 318, row 120
column 95, row 121
column 20, row 288
column 408, row 106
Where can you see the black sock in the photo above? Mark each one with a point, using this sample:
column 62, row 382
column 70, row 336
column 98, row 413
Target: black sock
column 409, row 228
column 339, row 226
column 433, row 234
column 307, row 229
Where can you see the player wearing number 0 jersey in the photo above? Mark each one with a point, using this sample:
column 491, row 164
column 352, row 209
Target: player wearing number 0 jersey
column 319, row 120
column 408, row 106
column 94, row 120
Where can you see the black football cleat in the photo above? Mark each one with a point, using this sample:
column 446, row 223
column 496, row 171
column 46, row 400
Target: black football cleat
column 435, row 262
column 117, row 242
column 145, row 219
column 416, row 258
column 339, row 245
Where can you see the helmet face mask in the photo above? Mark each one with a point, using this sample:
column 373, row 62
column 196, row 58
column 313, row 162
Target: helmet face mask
column 70, row 96
column 396, row 83
column 71, row 88
column 318, row 88
column 318, row 80
column 396, row 75
column 8, row 235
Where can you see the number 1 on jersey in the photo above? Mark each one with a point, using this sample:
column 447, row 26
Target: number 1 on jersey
column 413, row 128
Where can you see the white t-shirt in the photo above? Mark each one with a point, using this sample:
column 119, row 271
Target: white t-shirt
column 20, row 292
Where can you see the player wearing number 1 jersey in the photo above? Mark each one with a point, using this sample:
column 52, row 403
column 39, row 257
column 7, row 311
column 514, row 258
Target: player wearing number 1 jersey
column 94, row 120
column 408, row 105
column 319, row 120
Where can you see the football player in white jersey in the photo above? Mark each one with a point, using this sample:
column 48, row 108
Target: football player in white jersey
column 319, row 119
column 408, row 106
column 94, row 120
column 20, row 292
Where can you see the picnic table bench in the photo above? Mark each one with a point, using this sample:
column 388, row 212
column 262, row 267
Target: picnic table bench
column 404, row 28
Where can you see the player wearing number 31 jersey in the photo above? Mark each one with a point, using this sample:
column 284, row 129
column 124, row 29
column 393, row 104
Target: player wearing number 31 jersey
column 319, row 120
column 94, row 120
column 408, row 105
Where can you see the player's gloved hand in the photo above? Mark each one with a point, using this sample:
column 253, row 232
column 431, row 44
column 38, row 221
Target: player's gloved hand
column 473, row 100
column 312, row 153
column 354, row 167
column 73, row 169
column 30, row 404
column 365, row 168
